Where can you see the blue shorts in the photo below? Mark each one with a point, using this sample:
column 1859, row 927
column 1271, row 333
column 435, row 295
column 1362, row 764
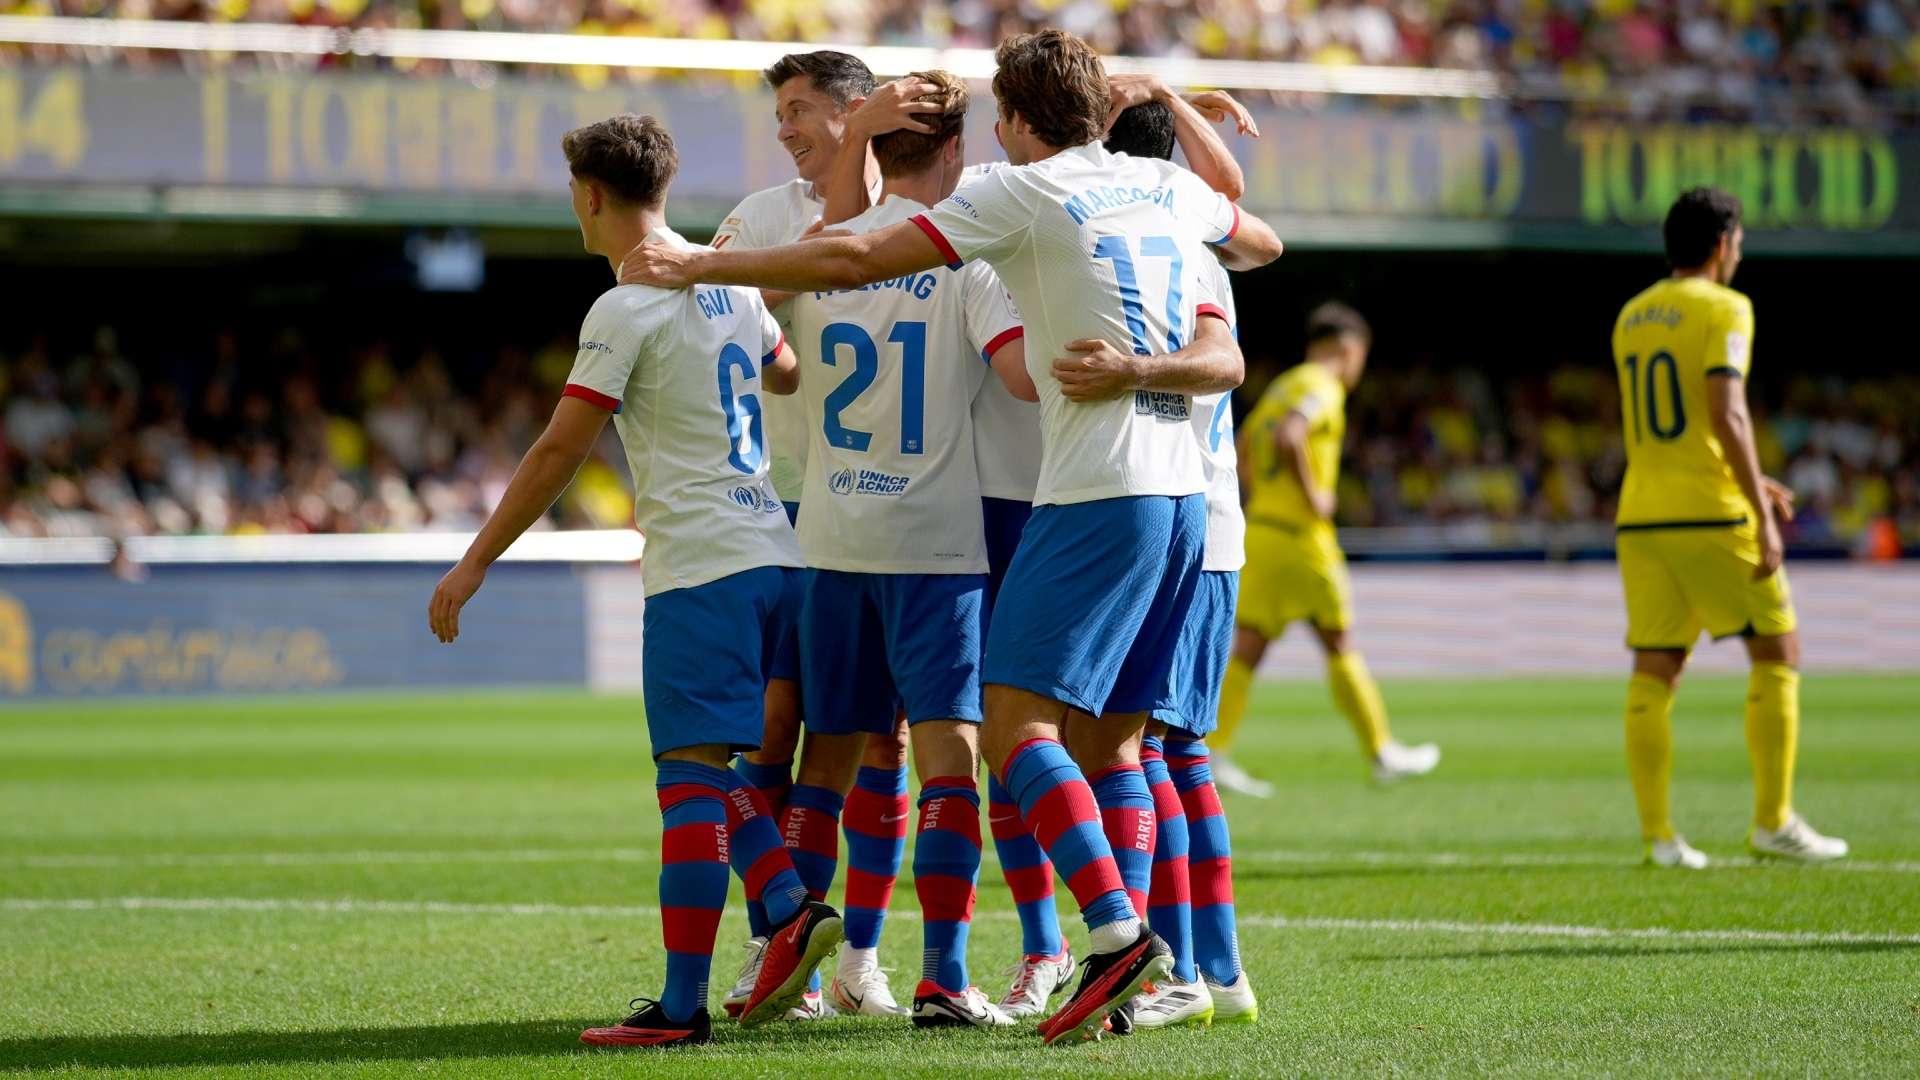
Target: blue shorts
column 874, row 643
column 1005, row 520
column 1091, row 610
column 705, row 656
column 1200, row 658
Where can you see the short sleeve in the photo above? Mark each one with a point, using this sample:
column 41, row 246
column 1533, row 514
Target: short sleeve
column 611, row 340
column 771, row 337
column 1207, row 296
column 992, row 320
column 985, row 219
column 1730, row 340
column 734, row 230
column 1207, row 211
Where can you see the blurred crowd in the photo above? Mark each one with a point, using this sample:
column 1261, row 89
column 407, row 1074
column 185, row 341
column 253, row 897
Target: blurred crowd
column 1745, row 58
column 265, row 439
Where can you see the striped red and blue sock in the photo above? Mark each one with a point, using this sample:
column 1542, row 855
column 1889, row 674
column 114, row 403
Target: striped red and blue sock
column 1170, row 901
column 1126, row 816
column 771, row 780
column 875, row 821
column 1028, row 871
column 774, row 890
column 1216, row 939
column 693, row 877
column 946, row 867
column 810, row 828
column 1056, row 802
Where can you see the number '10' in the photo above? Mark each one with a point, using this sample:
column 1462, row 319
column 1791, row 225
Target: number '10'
column 1643, row 397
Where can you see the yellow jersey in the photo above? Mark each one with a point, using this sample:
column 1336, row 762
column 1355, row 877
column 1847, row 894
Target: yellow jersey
column 1315, row 392
column 1667, row 343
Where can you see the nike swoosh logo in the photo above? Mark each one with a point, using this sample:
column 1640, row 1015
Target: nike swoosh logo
column 891, row 818
column 1003, row 817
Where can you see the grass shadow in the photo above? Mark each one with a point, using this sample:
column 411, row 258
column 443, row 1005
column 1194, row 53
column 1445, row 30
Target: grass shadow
column 283, row 1047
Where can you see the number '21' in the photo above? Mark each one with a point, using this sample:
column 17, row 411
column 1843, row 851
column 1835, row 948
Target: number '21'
column 912, row 339
column 1643, row 397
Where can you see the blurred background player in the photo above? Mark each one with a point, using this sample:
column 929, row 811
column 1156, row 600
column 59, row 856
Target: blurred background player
column 890, row 528
column 718, row 570
column 1295, row 568
column 1192, row 863
column 1698, row 532
column 860, row 783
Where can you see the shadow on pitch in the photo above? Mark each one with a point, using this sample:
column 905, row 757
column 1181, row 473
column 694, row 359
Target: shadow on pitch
column 534, row 1037
column 1576, row 951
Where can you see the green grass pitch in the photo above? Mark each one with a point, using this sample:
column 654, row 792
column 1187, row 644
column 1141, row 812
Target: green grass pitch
column 438, row 885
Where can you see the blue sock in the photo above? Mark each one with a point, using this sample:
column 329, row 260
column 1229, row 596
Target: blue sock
column 693, row 878
column 1028, row 871
column 875, row 822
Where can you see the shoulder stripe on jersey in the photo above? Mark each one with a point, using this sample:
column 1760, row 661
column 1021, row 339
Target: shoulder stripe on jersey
column 939, row 240
column 775, row 353
column 1000, row 339
column 1734, row 372
column 1233, row 232
column 591, row 397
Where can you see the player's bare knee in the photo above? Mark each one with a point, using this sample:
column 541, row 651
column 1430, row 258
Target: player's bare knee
column 829, row 761
column 887, row 751
column 945, row 748
column 1775, row 649
column 1333, row 642
column 1103, row 742
column 1663, row 664
column 1014, row 716
column 713, row 755
column 1249, row 645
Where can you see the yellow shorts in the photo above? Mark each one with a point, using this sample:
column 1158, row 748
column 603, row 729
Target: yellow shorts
column 1681, row 581
column 1293, row 574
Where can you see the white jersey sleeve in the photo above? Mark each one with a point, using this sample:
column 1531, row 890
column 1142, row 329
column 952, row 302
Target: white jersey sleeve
column 1226, row 544
column 1214, row 215
column 986, row 219
column 772, row 335
column 991, row 318
column 612, row 337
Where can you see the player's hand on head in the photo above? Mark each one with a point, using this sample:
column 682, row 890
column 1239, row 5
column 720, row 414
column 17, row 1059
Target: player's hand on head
column 658, row 264
column 1780, row 495
column 1218, row 107
column 1126, row 91
column 1093, row 370
column 895, row 106
column 452, row 594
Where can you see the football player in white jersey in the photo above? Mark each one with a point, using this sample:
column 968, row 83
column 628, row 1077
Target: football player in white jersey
column 862, row 784
column 1099, row 254
column 891, row 533
column 682, row 372
column 1149, row 120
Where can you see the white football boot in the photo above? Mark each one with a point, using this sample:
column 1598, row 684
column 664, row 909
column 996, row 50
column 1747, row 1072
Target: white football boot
column 1171, row 1003
column 1036, row 979
column 1397, row 762
column 1675, row 853
column 1233, row 1003
column 934, row 1007
column 860, row 986
column 1236, row 779
column 736, row 1000
column 813, row 1006
column 1796, row 841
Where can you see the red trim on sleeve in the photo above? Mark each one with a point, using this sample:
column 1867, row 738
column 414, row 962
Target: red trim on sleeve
column 591, row 397
column 1214, row 310
column 774, row 353
column 1235, row 231
column 1000, row 339
column 939, row 240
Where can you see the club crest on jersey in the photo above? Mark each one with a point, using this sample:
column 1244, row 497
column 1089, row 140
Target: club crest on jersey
column 850, row 481
column 1161, row 405
column 755, row 499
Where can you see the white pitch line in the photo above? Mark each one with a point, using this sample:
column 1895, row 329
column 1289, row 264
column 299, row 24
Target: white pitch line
column 1411, row 859
column 1268, row 922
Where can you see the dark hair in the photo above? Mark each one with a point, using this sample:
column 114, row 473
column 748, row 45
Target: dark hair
column 1054, row 81
column 838, row 75
column 904, row 152
column 1144, row 130
column 633, row 156
column 1699, row 218
column 1334, row 319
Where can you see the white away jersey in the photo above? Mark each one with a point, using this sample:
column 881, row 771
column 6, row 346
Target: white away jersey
column 681, row 371
column 889, row 373
column 1006, row 430
column 770, row 218
column 1213, row 422
column 1097, row 245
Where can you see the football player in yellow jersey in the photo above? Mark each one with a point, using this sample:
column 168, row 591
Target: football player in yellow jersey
column 1290, row 445
column 1698, row 530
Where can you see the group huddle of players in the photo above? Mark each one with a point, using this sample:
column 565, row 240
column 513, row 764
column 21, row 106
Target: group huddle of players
column 956, row 479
